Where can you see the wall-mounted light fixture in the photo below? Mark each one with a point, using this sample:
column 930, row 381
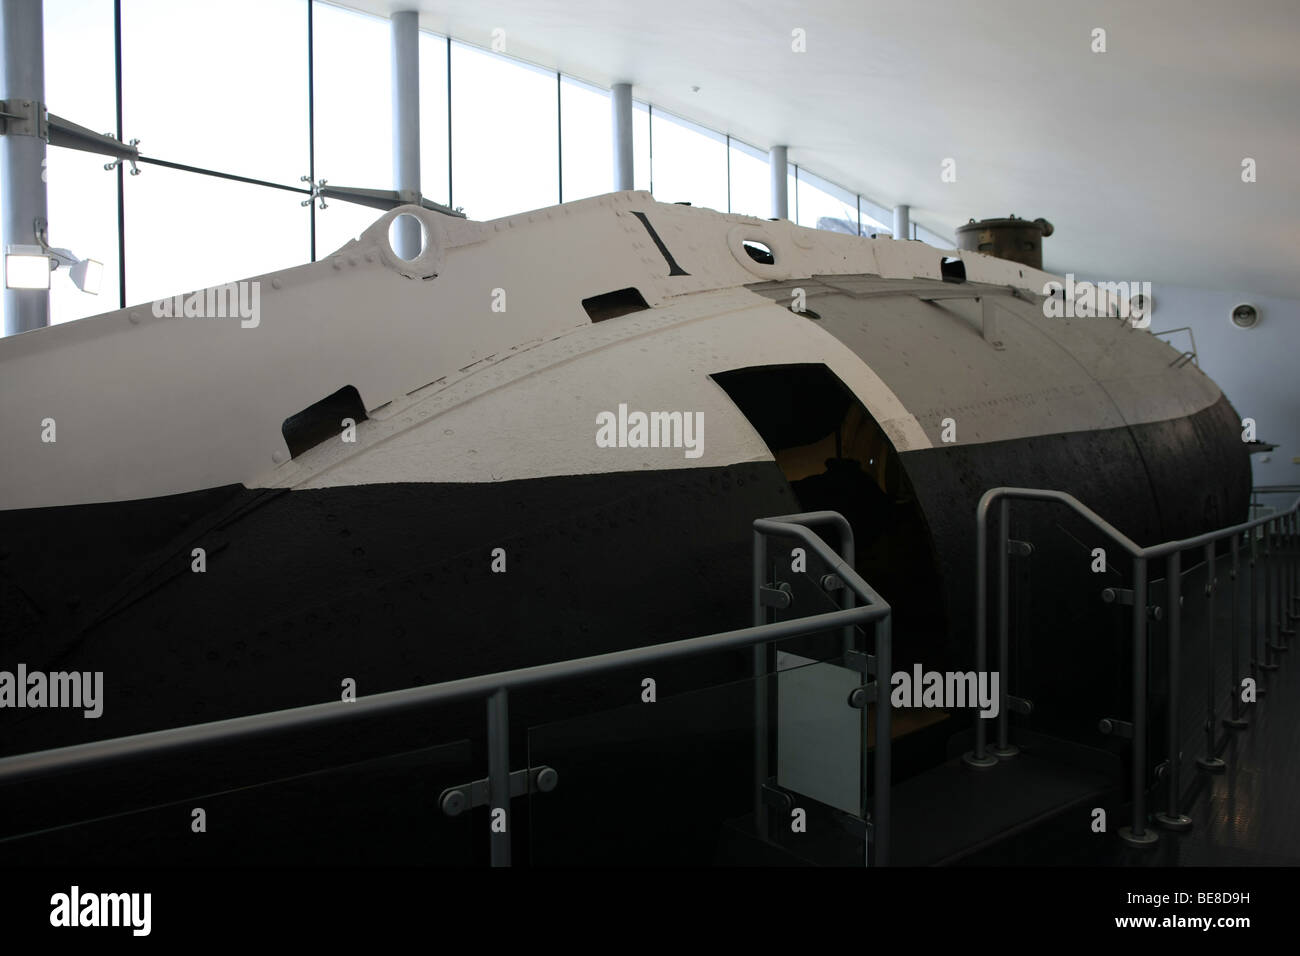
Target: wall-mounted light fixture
column 26, row 267
column 1244, row 316
column 86, row 274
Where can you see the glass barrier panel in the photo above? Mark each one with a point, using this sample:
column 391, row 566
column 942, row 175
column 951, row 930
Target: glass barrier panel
column 382, row 810
column 673, row 782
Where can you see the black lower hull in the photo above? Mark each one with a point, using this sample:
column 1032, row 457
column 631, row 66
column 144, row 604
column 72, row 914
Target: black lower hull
column 392, row 585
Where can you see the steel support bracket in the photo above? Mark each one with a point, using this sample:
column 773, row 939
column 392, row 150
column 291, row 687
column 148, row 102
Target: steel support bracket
column 1115, row 728
column 1125, row 596
column 1020, row 705
column 860, row 662
column 385, row 199
column 831, row 582
column 23, row 118
column 456, row 800
column 859, row 697
column 70, row 135
column 779, row 595
column 1117, row 595
column 1019, row 549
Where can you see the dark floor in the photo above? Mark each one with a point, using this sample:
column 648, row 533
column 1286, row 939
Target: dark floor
column 1249, row 815
column 1245, row 815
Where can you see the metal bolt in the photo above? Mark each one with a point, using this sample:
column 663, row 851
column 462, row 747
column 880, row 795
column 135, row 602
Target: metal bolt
column 453, row 802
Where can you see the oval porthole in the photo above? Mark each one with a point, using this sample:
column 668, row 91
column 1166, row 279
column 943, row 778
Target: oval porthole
column 759, row 251
column 407, row 237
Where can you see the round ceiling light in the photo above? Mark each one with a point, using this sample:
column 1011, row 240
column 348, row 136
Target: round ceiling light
column 1245, row 316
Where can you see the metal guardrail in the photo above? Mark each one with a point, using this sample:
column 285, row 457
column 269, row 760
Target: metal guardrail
column 1285, row 524
column 1274, row 490
column 798, row 526
column 496, row 688
column 1185, row 355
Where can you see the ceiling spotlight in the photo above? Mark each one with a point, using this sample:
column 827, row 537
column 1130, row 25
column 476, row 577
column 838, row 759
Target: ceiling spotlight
column 27, row 267
column 87, row 275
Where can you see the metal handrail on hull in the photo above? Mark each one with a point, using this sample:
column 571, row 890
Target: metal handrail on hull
column 1282, row 523
column 495, row 689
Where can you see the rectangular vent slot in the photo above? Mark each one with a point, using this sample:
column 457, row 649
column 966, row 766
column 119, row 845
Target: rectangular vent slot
column 322, row 420
column 613, row 304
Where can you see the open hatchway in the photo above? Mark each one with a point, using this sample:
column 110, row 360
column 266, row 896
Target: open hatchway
column 836, row 457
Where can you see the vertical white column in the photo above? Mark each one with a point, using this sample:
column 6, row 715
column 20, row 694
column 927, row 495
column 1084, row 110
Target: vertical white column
column 406, row 123
column 621, row 101
column 776, row 160
column 22, row 158
column 902, row 222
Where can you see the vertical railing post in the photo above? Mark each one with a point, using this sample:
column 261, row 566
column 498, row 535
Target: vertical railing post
column 1004, row 749
column 1258, row 649
column 1174, row 819
column 1278, row 561
column 1295, row 563
column 979, row 757
column 1235, row 720
column 1286, row 568
column 1271, row 645
column 759, row 616
column 884, row 738
column 1138, row 834
column 1209, row 762
column 498, row 741
column 847, row 600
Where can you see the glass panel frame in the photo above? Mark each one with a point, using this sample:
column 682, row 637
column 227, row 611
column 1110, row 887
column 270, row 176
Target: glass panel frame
column 505, row 134
column 586, row 140
column 688, row 162
column 235, row 102
column 749, row 180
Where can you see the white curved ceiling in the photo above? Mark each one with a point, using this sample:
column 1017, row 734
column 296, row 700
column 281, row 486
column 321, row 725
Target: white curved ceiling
column 1135, row 154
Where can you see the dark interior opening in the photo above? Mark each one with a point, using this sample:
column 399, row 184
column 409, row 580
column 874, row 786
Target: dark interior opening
column 953, row 270
column 322, row 420
column 611, row 305
column 836, row 457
